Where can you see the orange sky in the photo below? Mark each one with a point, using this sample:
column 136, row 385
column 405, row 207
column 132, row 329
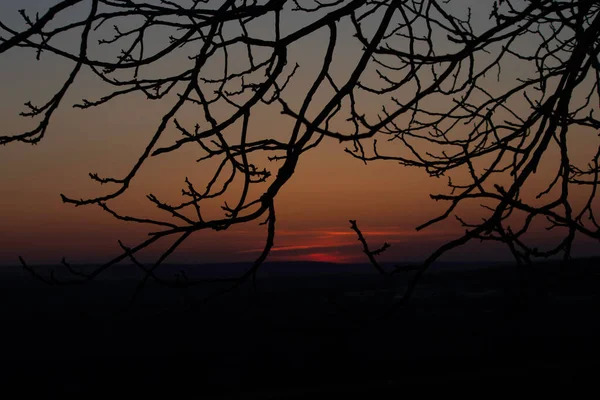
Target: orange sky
column 313, row 210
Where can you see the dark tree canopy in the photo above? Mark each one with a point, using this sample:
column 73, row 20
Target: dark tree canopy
column 486, row 97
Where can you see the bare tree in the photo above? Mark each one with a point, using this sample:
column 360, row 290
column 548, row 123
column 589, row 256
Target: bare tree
column 489, row 96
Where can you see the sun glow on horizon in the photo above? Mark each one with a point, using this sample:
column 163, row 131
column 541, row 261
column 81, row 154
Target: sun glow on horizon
column 336, row 245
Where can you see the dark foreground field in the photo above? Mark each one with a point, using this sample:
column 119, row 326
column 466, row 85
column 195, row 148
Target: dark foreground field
column 311, row 331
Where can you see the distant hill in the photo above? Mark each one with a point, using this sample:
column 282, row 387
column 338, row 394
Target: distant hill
column 280, row 268
column 466, row 321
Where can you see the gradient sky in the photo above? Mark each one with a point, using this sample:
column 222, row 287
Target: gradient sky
column 313, row 210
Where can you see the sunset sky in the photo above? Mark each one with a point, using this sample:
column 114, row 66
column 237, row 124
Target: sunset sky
column 313, row 209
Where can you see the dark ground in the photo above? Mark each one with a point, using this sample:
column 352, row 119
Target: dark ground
column 305, row 335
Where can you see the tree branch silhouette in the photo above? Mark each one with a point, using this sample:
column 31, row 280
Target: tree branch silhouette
column 450, row 103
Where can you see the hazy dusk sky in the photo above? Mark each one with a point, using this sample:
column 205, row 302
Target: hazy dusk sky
column 313, row 209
